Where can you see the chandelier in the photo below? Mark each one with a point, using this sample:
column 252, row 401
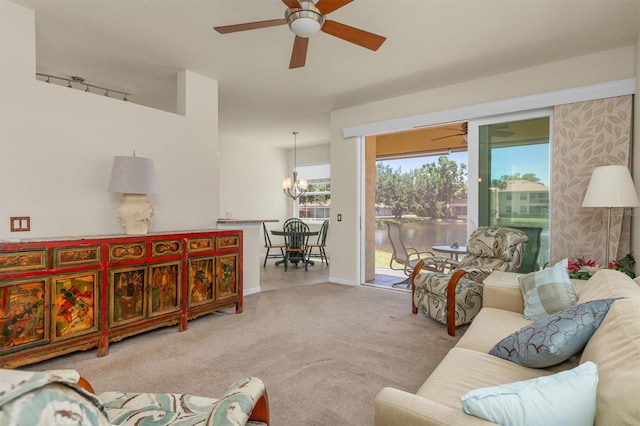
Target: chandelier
column 295, row 187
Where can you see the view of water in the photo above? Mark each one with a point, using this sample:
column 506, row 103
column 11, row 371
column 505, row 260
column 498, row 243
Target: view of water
column 422, row 236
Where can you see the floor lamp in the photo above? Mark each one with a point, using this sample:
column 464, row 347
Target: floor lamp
column 611, row 187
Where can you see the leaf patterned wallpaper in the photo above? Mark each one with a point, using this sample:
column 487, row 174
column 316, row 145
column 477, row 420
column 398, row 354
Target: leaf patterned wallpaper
column 587, row 135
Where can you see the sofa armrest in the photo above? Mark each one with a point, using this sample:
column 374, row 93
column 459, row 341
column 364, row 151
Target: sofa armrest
column 395, row 407
column 502, row 291
column 244, row 400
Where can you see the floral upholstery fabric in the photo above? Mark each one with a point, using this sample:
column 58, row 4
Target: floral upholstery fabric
column 53, row 398
column 44, row 399
column 234, row 408
column 489, row 249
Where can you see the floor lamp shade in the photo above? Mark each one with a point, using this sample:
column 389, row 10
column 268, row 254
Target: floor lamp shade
column 611, row 187
column 134, row 177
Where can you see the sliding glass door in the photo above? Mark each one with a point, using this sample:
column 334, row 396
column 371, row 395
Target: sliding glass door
column 514, row 181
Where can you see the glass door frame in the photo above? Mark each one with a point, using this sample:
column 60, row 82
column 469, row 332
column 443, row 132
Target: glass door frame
column 473, row 140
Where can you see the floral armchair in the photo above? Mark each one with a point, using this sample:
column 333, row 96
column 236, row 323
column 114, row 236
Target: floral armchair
column 63, row 397
column 489, row 249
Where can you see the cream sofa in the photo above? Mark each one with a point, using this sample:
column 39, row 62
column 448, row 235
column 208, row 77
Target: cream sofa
column 614, row 348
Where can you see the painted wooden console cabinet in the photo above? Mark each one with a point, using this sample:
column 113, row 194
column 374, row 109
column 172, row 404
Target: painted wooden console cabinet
column 65, row 295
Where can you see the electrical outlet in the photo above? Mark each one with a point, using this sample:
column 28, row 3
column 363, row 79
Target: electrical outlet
column 339, row 217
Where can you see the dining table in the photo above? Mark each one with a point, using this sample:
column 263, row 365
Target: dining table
column 296, row 256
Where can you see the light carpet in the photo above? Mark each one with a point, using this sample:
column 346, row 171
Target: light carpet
column 324, row 351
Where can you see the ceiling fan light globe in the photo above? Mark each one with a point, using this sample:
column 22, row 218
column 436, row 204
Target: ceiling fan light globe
column 306, row 21
column 305, row 27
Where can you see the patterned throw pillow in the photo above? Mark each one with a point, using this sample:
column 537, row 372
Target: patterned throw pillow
column 565, row 398
column 553, row 339
column 547, row 291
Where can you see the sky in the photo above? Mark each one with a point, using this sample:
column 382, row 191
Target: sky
column 505, row 161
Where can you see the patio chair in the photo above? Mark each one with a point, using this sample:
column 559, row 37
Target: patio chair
column 454, row 299
column 296, row 240
column 320, row 244
column 408, row 257
column 269, row 246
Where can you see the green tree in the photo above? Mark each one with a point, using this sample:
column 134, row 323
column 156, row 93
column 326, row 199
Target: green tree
column 393, row 188
column 428, row 191
column 436, row 187
column 502, row 182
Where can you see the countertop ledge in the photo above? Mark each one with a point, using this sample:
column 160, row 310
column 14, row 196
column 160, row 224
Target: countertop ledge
column 247, row 221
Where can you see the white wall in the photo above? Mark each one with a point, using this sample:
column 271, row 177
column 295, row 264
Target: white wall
column 58, row 145
column 601, row 67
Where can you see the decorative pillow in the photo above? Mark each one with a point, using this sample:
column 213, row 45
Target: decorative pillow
column 565, row 398
column 547, row 291
column 553, row 339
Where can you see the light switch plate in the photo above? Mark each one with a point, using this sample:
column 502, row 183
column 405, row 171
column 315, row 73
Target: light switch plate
column 20, row 223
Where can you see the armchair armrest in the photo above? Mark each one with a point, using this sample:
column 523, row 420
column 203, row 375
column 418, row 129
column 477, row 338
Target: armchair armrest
column 394, row 407
column 244, row 400
column 451, row 293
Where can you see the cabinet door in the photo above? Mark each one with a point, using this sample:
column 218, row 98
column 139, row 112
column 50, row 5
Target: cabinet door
column 201, row 281
column 23, row 320
column 127, row 301
column 76, row 304
column 226, row 276
column 166, row 284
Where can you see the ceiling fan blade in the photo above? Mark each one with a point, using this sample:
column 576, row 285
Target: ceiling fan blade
column 299, row 52
column 328, row 6
column 249, row 26
column 292, row 4
column 450, row 136
column 354, row 35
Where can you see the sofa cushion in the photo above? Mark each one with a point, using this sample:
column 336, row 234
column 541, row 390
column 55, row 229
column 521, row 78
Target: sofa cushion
column 553, row 339
column 565, row 398
column 489, row 327
column 547, row 291
column 463, row 370
column 615, row 348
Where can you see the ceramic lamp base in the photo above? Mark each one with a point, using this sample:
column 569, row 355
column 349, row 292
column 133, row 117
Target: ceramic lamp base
column 135, row 214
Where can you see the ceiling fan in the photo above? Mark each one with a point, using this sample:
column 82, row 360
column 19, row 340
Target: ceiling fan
column 306, row 18
column 462, row 130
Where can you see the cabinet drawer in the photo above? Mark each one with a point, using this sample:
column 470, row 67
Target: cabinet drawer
column 166, row 248
column 127, row 251
column 72, row 256
column 228, row 241
column 23, row 260
column 200, row 244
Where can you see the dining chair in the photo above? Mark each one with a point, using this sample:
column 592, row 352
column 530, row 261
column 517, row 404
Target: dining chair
column 296, row 240
column 291, row 219
column 270, row 246
column 320, row 244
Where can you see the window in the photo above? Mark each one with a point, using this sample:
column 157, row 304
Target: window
column 316, row 202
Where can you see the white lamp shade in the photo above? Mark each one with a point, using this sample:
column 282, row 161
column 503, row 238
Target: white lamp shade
column 611, row 186
column 132, row 175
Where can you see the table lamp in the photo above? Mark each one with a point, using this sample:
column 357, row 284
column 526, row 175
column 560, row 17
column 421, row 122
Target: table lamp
column 134, row 178
column 611, row 187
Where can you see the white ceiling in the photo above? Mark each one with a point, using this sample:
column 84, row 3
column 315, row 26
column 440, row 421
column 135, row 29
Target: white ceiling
column 137, row 46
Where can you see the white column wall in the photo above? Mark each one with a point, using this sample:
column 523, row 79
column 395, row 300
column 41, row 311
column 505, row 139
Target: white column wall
column 58, row 145
column 601, row 67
